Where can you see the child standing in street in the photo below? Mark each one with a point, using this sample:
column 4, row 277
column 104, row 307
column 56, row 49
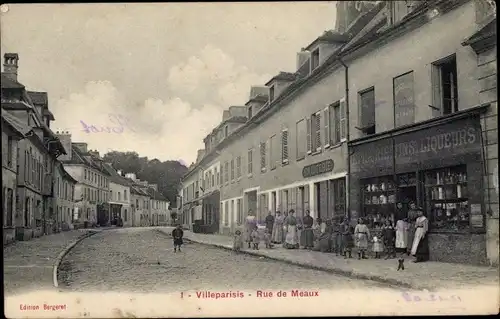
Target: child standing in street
column 267, row 238
column 347, row 240
column 238, row 241
column 255, row 238
column 177, row 234
column 378, row 247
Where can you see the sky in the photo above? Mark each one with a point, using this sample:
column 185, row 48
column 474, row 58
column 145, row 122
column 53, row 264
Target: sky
column 154, row 78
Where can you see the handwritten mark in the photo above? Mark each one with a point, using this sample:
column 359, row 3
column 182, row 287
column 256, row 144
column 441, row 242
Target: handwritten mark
column 119, row 120
column 413, row 297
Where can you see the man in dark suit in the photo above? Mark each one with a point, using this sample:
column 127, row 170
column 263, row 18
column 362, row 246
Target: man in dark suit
column 177, row 234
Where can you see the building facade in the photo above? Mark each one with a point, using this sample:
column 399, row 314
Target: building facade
column 119, row 198
column 93, row 181
column 64, row 197
column 139, row 206
column 424, row 124
column 12, row 132
column 36, row 154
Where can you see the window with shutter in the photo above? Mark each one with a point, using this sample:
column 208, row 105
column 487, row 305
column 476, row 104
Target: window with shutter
column 326, row 119
column 316, row 132
column 263, row 156
column 309, row 140
column 250, row 161
column 272, row 152
column 232, row 169
column 343, row 120
column 301, row 141
column 226, row 172
column 238, row 166
column 284, row 146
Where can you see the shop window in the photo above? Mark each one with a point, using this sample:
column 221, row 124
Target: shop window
column 339, row 196
column 446, row 198
column 367, row 111
column 404, row 104
column 445, row 86
column 378, row 200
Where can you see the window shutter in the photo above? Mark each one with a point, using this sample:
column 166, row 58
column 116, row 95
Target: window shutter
column 317, row 130
column 309, row 135
column 262, row 156
column 343, row 120
column 326, row 119
column 284, row 146
column 436, row 90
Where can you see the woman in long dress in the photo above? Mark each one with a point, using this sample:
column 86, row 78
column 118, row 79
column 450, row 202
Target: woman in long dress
column 420, row 247
column 401, row 235
column 412, row 216
column 308, row 231
column 361, row 235
column 277, row 235
column 250, row 224
column 291, row 240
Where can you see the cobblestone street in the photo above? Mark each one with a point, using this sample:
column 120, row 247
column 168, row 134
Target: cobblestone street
column 142, row 260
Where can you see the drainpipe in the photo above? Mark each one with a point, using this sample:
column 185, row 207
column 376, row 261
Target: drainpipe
column 348, row 177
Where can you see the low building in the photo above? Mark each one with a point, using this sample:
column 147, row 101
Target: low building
column 119, row 196
column 64, row 197
column 159, row 207
column 12, row 132
column 139, row 206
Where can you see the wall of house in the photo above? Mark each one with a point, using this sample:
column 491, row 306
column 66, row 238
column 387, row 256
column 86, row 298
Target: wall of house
column 9, row 181
column 439, row 38
column 120, row 194
column 63, row 198
column 487, row 79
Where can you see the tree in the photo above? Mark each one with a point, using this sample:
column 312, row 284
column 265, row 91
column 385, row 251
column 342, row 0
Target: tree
column 167, row 175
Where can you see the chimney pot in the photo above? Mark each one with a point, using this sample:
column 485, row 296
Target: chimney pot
column 10, row 65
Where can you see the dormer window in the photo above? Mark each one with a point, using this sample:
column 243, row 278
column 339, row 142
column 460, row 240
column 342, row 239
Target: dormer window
column 249, row 112
column 271, row 93
column 315, row 59
column 226, row 131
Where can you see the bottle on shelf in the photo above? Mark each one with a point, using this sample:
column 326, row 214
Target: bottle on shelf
column 440, row 193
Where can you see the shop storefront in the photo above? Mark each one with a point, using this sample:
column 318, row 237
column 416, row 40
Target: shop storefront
column 210, row 212
column 439, row 166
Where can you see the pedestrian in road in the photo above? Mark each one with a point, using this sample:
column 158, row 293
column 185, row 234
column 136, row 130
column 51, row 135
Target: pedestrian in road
column 291, row 240
column 250, row 224
column 277, row 233
column 269, row 222
column 177, row 234
column 308, row 222
column 237, row 241
column 361, row 235
column 420, row 247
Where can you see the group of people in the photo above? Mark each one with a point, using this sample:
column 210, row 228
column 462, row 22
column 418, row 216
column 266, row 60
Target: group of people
column 337, row 235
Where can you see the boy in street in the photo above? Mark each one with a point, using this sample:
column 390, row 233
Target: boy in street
column 177, row 234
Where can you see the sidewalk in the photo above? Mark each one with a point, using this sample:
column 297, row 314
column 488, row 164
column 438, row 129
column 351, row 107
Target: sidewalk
column 429, row 275
column 28, row 265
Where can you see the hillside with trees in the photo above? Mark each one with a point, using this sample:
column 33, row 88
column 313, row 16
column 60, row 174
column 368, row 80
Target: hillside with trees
column 166, row 174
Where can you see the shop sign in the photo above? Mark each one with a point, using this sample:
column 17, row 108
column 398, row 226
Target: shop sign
column 448, row 140
column 317, row 168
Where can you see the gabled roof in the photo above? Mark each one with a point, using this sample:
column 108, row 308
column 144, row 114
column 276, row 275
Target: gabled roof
column 329, row 36
column 66, row 174
column 115, row 177
column 15, row 123
column 136, row 189
column 8, row 83
column 78, row 157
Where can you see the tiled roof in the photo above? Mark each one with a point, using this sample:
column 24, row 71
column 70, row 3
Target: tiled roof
column 488, row 29
column 15, row 123
column 329, row 36
column 38, row 97
column 8, row 83
column 78, row 157
column 115, row 177
column 284, row 76
column 66, row 174
column 137, row 190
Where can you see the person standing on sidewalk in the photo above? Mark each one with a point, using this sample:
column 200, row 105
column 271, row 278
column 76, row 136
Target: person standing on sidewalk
column 291, row 240
column 250, row 225
column 277, row 234
column 178, row 234
column 362, row 236
column 308, row 222
column 412, row 216
column 420, row 247
column 269, row 223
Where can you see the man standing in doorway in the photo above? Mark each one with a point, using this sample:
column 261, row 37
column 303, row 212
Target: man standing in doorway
column 177, row 234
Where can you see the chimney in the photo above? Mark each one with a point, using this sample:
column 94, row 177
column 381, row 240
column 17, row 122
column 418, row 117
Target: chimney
column 82, row 147
column 302, row 57
column 132, row 176
column 119, row 172
column 10, row 65
column 225, row 115
column 65, row 138
column 200, row 155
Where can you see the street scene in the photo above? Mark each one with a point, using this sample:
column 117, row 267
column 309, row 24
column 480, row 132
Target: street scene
column 210, row 163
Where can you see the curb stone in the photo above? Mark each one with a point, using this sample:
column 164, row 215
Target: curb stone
column 337, row 271
column 66, row 251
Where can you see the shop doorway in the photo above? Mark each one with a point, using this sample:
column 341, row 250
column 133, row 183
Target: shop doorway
column 251, row 201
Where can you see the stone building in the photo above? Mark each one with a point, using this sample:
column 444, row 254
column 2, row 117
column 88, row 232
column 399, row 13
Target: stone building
column 139, row 204
column 119, row 198
column 92, row 190
column 64, row 197
column 36, row 154
column 12, row 132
